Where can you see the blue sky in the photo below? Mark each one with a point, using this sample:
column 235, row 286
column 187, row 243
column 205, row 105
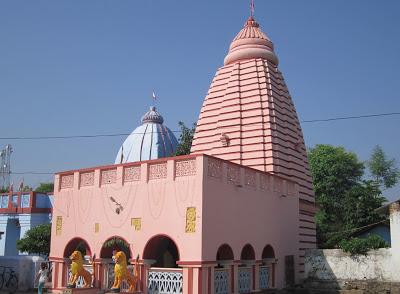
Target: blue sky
column 89, row 67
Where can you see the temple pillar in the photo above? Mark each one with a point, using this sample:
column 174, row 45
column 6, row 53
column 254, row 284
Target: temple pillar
column 234, row 276
column 210, row 280
column 256, row 276
column 271, row 263
column 198, row 277
column 145, row 264
column 99, row 277
column 63, row 273
column 56, row 275
column 103, row 273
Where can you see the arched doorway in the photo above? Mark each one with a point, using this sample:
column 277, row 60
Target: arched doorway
column 164, row 276
column 225, row 258
column 267, row 269
column 163, row 250
column 77, row 244
column 109, row 248
column 245, row 269
column 113, row 245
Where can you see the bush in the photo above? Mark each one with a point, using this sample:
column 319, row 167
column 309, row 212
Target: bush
column 357, row 246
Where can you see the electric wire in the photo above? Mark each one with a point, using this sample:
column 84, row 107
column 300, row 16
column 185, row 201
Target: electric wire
column 115, row 135
column 359, row 228
column 126, row 134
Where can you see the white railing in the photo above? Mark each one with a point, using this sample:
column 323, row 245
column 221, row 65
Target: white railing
column 110, row 277
column 244, row 280
column 264, row 277
column 221, row 281
column 165, row 281
column 80, row 281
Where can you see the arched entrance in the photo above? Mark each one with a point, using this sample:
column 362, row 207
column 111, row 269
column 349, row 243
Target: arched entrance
column 247, row 257
column 77, row 244
column 267, row 269
column 225, row 258
column 163, row 250
column 164, row 276
column 113, row 245
column 109, row 248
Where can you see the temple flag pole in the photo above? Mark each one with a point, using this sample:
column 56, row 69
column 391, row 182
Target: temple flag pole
column 21, row 185
column 252, row 8
column 154, row 97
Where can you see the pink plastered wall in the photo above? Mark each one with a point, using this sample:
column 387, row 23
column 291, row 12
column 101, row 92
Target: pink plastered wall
column 243, row 206
column 235, row 206
column 154, row 193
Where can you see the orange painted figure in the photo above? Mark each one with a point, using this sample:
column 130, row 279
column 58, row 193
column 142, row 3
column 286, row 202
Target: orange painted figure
column 77, row 269
column 122, row 273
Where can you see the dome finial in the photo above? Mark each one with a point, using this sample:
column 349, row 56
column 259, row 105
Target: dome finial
column 152, row 116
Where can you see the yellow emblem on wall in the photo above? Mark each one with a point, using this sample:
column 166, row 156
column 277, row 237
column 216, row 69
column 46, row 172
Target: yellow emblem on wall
column 137, row 223
column 59, row 226
column 96, row 227
column 191, row 220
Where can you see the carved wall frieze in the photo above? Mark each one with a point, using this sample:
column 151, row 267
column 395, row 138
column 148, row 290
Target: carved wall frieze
column 185, row 168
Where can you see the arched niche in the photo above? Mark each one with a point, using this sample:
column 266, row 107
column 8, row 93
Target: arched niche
column 248, row 253
column 268, row 252
column 115, row 244
column 225, row 253
column 163, row 250
column 77, row 244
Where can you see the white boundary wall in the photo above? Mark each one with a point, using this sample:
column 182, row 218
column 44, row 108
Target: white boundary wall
column 334, row 264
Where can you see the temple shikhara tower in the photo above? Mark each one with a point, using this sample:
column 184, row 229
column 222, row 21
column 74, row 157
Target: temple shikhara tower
column 249, row 118
column 234, row 216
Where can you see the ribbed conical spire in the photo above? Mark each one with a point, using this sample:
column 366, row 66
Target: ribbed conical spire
column 248, row 117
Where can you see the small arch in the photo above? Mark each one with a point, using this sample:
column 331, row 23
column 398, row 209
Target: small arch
column 107, row 252
column 225, row 252
column 248, row 253
column 78, row 244
column 164, row 250
column 268, row 252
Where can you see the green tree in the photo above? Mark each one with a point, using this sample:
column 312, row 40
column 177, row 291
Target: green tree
column 5, row 190
column 358, row 246
column 36, row 240
column 27, row 188
column 45, row 188
column 360, row 204
column 384, row 170
column 347, row 201
column 185, row 140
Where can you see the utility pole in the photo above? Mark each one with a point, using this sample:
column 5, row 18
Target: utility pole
column 5, row 169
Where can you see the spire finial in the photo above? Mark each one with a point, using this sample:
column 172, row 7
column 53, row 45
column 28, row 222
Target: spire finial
column 252, row 8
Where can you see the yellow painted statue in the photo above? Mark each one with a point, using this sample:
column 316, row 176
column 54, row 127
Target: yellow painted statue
column 77, row 270
column 122, row 273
